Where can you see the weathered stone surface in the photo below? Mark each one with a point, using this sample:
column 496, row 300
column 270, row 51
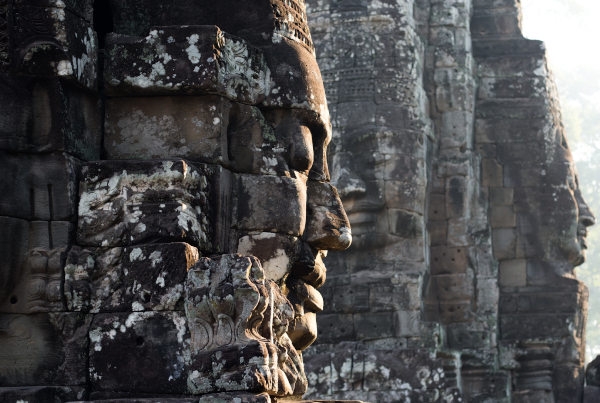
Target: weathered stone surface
column 166, row 127
column 490, row 144
column 285, row 214
column 38, row 282
column 49, row 115
column 48, row 39
column 129, row 202
column 44, row 349
column 202, row 59
column 233, row 312
column 121, row 342
column 136, row 278
column 42, row 393
column 41, row 186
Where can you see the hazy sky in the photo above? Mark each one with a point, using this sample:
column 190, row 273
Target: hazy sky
column 570, row 28
column 571, row 31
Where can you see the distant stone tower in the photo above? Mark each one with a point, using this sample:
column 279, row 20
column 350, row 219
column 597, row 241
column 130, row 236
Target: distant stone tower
column 452, row 163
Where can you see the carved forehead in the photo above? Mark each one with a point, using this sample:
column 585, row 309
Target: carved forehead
column 257, row 21
column 256, row 52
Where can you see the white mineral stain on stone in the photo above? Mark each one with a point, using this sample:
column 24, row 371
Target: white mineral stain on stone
column 136, row 254
column 64, row 68
column 192, row 51
column 96, row 339
column 276, row 267
column 136, row 307
column 181, row 326
column 156, row 258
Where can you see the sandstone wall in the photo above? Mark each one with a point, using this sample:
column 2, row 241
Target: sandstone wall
column 453, row 166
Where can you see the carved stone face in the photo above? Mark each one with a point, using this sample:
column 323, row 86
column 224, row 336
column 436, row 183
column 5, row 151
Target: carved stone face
column 564, row 215
column 297, row 182
column 359, row 177
column 270, row 135
column 572, row 244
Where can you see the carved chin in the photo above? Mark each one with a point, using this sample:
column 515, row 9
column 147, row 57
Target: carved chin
column 303, row 330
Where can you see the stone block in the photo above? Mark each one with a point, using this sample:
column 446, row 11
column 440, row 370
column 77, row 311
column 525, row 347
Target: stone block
column 49, row 40
column 454, row 92
column 353, row 299
column 509, row 110
column 511, row 87
column 405, row 224
column 122, row 343
column 406, row 194
column 83, row 9
column 14, row 246
column 504, row 243
column 410, row 141
column 512, row 273
column 407, row 323
column 133, row 202
column 398, row 166
column 496, row 23
column 335, row 327
column 345, row 117
column 275, row 251
column 448, row 260
column 503, row 217
column 234, row 397
column 259, row 143
column 193, row 127
column 455, row 311
column 285, row 213
column 44, row 348
column 534, row 326
column 373, row 325
column 48, row 115
column 438, row 232
column 346, row 365
column 466, row 336
column 491, row 173
column 481, row 384
column 37, row 283
column 501, row 196
column 456, row 196
column 202, row 59
column 437, row 206
column 383, row 370
column 138, row 278
column 42, row 393
column 41, row 187
column 487, row 295
column 512, row 49
column 450, row 287
column 460, row 232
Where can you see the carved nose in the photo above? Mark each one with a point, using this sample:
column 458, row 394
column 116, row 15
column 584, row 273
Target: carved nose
column 327, row 226
column 586, row 217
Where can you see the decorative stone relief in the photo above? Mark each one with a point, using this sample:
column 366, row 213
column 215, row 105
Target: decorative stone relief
column 231, row 307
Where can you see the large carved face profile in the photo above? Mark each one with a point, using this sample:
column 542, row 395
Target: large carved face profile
column 570, row 216
column 271, row 134
column 358, row 176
